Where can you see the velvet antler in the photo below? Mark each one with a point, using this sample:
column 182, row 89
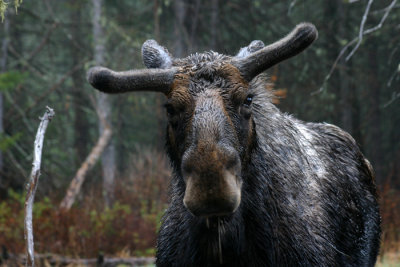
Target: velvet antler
column 255, row 63
column 112, row 82
column 250, row 61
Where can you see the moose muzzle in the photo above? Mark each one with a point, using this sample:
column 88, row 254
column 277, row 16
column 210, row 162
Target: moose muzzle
column 213, row 183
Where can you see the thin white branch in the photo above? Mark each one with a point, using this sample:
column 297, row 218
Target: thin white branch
column 292, row 4
column 377, row 27
column 361, row 32
column 397, row 71
column 344, row 49
column 32, row 185
column 383, row 10
column 395, row 96
column 327, row 77
column 371, row 30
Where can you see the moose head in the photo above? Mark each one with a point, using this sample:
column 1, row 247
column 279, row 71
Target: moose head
column 209, row 106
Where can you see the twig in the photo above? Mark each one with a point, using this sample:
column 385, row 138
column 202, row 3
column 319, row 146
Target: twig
column 24, row 62
column 392, row 54
column 53, row 88
column 344, row 49
column 370, row 30
column 327, row 77
column 383, row 10
column 292, row 4
column 32, row 186
column 19, row 110
column 377, row 27
column 43, row 42
column 395, row 96
column 16, row 164
column 361, row 32
column 397, row 71
column 67, row 34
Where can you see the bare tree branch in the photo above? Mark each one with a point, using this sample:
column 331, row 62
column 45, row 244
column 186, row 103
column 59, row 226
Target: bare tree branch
column 395, row 73
column 384, row 9
column 53, row 88
column 292, row 4
column 16, row 164
column 32, row 186
column 377, row 27
column 43, row 42
column 327, row 77
column 344, row 49
column 395, row 96
column 24, row 62
column 370, row 30
column 361, row 32
column 20, row 112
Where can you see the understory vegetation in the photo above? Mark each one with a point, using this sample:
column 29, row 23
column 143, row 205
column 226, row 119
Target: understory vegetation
column 89, row 228
column 129, row 227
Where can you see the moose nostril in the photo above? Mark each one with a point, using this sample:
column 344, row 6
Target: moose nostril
column 187, row 168
column 232, row 163
column 232, row 159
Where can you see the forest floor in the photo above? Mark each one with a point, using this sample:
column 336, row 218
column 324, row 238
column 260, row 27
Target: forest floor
column 390, row 259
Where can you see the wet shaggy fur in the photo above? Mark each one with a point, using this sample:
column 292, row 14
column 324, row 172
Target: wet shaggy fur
column 307, row 198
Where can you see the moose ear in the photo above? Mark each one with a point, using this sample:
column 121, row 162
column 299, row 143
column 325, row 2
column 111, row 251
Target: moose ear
column 155, row 55
column 251, row 48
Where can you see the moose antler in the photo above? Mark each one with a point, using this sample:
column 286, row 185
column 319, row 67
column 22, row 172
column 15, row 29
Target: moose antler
column 295, row 42
column 250, row 61
column 112, row 82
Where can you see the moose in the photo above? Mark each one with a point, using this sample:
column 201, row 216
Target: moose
column 251, row 185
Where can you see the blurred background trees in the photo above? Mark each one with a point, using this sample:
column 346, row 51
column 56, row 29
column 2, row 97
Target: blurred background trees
column 47, row 47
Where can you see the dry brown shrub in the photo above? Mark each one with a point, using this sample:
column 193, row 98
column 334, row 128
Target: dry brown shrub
column 390, row 212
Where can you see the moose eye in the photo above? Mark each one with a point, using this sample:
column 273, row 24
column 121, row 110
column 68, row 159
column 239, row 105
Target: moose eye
column 247, row 101
column 170, row 110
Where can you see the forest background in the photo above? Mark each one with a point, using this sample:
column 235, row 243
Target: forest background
column 345, row 78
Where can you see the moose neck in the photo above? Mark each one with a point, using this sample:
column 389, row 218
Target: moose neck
column 210, row 242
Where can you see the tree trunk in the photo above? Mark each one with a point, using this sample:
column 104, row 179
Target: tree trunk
column 3, row 66
column 104, row 108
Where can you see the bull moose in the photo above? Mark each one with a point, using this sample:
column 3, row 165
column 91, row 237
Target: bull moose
column 252, row 186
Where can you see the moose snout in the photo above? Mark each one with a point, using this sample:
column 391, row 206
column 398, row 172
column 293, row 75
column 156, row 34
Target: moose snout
column 213, row 183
